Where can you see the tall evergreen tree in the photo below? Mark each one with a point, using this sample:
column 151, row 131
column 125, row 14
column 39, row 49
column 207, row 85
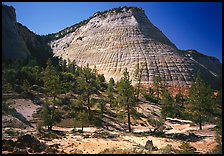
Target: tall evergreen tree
column 48, row 115
column 64, row 65
column 110, row 90
column 178, row 105
column 157, row 86
column 87, row 86
column 200, row 100
column 217, row 114
column 51, row 80
column 167, row 104
column 138, row 77
column 52, row 88
column 126, row 95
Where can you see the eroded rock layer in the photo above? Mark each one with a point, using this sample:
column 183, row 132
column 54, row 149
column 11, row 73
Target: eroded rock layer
column 113, row 41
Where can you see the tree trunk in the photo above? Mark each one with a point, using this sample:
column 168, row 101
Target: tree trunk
column 200, row 124
column 129, row 120
column 82, row 128
column 50, row 127
column 138, row 92
column 88, row 105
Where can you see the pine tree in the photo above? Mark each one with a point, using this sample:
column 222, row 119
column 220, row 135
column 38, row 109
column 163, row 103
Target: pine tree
column 101, row 82
column 52, row 88
column 157, row 86
column 48, row 115
column 138, row 77
column 36, row 70
column 87, row 86
column 110, row 90
column 64, row 65
column 51, row 80
column 82, row 118
column 167, row 108
column 126, row 95
column 178, row 105
column 200, row 100
column 217, row 113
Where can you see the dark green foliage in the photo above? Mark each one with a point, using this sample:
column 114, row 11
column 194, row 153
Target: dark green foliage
column 200, row 101
column 110, row 90
column 69, row 82
column 126, row 95
column 178, row 106
column 186, row 148
column 217, row 113
column 157, row 86
column 87, row 86
column 101, row 82
column 81, row 118
column 51, row 80
column 167, row 104
column 138, row 78
column 151, row 98
column 168, row 149
column 48, row 114
column 26, row 87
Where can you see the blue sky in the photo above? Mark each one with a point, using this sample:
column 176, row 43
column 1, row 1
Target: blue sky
column 189, row 25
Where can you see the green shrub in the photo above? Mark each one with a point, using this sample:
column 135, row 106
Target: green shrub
column 168, row 149
column 151, row 98
column 186, row 148
column 10, row 132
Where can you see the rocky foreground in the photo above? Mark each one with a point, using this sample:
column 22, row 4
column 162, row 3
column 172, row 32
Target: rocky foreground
column 26, row 139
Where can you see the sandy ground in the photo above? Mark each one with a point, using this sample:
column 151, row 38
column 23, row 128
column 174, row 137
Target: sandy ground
column 71, row 143
column 74, row 143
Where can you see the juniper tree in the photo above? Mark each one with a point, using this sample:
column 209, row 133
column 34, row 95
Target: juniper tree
column 126, row 95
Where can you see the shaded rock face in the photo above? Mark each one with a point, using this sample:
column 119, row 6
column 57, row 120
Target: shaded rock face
column 114, row 41
column 28, row 36
column 13, row 45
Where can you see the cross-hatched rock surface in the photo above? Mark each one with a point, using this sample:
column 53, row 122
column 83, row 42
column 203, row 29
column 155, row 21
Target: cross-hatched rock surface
column 114, row 41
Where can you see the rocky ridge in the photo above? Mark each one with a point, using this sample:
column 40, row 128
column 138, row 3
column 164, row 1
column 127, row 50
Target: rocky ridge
column 119, row 39
column 13, row 46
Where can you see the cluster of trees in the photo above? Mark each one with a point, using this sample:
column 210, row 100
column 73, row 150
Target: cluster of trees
column 199, row 106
